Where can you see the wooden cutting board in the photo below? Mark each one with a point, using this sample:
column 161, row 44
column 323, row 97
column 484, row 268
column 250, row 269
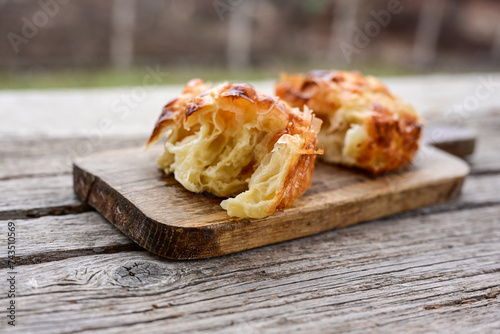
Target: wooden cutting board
column 157, row 213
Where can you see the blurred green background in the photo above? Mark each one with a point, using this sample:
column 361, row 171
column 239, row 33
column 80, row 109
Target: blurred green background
column 67, row 44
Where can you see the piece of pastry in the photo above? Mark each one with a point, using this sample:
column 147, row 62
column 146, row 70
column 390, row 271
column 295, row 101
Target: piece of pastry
column 364, row 125
column 231, row 140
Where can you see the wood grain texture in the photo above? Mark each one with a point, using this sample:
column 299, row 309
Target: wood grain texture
column 50, row 159
column 163, row 217
column 433, row 269
column 35, row 175
column 487, row 126
column 437, row 272
column 485, row 159
column 34, row 197
column 52, row 156
column 52, row 238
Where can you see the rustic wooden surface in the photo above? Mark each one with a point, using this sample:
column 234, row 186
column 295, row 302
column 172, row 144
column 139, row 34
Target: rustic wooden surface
column 460, row 142
column 435, row 269
column 156, row 212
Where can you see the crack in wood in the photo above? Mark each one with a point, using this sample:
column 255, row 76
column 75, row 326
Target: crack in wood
column 46, row 211
column 61, row 255
column 126, row 325
column 84, row 207
column 470, row 300
column 443, row 208
column 65, row 254
column 30, row 176
column 282, row 287
column 485, row 172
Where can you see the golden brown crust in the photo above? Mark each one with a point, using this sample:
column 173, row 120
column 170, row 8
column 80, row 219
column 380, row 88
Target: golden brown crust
column 299, row 179
column 392, row 141
column 388, row 128
column 172, row 111
column 259, row 145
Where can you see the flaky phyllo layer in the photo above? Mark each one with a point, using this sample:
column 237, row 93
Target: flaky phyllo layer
column 364, row 125
column 231, row 140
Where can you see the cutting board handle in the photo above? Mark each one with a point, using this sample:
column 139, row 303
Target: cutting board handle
column 460, row 142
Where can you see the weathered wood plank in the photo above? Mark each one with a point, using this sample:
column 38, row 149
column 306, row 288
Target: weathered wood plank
column 460, row 142
column 436, row 272
column 53, row 238
column 34, row 195
column 486, row 159
column 160, row 215
column 445, row 98
column 38, row 196
column 27, row 158
column 479, row 191
column 26, row 196
column 35, row 175
column 52, row 156
column 113, row 111
column 33, row 157
column 432, row 272
column 487, row 127
column 80, row 112
column 50, row 160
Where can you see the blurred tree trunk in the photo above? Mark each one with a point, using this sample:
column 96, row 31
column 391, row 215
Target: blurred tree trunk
column 342, row 27
column 122, row 33
column 427, row 35
column 495, row 51
column 239, row 37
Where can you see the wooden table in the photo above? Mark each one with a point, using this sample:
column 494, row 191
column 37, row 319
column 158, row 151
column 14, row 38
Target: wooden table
column 434, row 269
